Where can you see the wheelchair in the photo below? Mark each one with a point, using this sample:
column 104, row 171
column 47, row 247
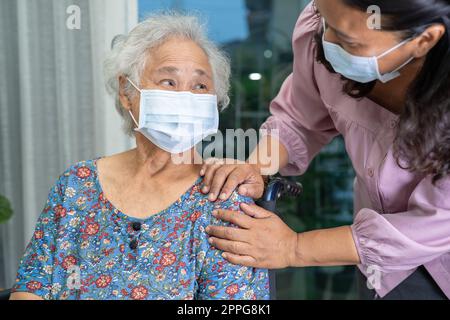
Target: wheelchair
column 277, row 188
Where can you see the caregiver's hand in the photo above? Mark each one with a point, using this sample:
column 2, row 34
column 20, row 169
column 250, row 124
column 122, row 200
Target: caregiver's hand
column 263, row 240
column 221, row 179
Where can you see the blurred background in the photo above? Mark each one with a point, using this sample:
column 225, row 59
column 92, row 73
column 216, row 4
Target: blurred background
column 54, row 111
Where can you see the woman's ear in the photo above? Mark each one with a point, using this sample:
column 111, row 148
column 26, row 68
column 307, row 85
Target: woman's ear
column 428, row 40
column 124, row 96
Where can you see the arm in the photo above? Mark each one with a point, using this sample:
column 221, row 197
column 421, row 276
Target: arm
column 24, row 296
column 327, row 247
column 392, row 242
column 298, row 112
column 300, row 123
column 265, row 241
column 405, row 240
column 34, row 276
column 220, row 279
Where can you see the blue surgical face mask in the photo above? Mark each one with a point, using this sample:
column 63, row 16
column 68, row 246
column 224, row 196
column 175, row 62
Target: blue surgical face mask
column 360, row 69
column 176, row 121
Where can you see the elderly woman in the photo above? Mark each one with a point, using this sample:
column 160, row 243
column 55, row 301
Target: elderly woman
column 132, row 226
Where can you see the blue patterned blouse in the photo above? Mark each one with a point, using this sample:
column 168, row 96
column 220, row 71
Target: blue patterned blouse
column 85, row 248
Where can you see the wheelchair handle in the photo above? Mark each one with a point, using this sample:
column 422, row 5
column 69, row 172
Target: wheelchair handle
column 279, row 188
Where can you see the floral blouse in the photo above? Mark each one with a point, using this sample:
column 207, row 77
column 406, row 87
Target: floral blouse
column 85, row 248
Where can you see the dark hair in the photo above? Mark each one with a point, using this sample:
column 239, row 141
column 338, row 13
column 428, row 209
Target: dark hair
column 422, row 140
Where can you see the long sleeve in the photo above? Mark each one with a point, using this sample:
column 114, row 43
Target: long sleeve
column 406, row 240
column 35, row 273
column 222, row 280
column 303, row 122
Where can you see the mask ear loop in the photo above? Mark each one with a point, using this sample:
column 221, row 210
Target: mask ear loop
column 393, row 74
column 132, row 83
column 395, row 48
column 324, row 28
column 129, row 111
column 134, row 120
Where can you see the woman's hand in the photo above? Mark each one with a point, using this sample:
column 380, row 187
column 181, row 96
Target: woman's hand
column 262, row 241
column 221, row 179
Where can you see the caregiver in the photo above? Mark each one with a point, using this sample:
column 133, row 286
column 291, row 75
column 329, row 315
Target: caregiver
column 387, row 92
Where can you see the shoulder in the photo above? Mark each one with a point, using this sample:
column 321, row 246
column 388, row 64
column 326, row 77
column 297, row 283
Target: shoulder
column 82, row 170
column 203, row 208
column 232, row 203
column 78, row 180
column 78, row 173
column 305, row 47
column 308, row 22
column 306, row 28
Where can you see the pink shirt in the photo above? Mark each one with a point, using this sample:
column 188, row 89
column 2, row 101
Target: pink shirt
column 401, row 220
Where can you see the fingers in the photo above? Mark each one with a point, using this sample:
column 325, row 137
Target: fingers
column 228, row 233
column 254, row 191
column 221, row 175
column 235, row 247
column 209, row 175
column 206, row 164
column 255, row 211
column 220, row 180
column 246, row 261
column 234, row 217
column 236, row 177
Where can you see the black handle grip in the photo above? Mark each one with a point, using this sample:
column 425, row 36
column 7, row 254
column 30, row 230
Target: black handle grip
column 278, row 188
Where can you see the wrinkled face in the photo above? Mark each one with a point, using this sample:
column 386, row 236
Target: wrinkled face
column 347, row 27
column 176, row 65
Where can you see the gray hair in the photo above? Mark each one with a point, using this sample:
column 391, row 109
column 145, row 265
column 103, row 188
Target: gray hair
column 129, row 55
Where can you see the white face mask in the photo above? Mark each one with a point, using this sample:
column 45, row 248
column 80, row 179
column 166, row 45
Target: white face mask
column 176, row 121
column 360, row 69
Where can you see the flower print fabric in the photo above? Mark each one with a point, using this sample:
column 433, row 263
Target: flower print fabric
column 85, row 248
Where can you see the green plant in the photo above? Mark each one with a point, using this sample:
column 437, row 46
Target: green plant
column 5, row 209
